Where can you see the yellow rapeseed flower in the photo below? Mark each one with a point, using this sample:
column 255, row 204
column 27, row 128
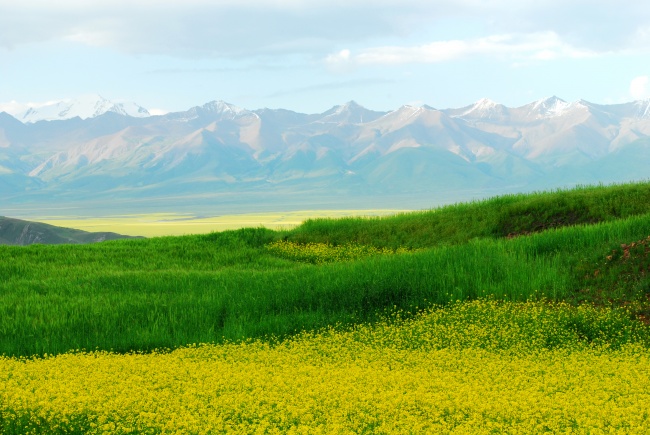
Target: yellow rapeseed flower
column 423, row 375
column 318, row 253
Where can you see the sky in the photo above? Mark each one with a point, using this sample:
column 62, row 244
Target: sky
column 309, row 55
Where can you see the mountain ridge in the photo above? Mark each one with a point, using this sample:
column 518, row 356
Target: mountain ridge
column 84, row 107
column 220, row 149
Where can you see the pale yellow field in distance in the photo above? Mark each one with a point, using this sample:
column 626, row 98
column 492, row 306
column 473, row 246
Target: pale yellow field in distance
column 169, row 224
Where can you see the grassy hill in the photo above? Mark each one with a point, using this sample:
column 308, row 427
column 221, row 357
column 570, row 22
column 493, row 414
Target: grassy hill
column 503, row 216
column 588, row 244
column 22, row 233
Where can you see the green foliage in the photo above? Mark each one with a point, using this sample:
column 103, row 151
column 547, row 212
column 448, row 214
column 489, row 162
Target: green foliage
column 619, row 274
column 497, row 217
column 170, row 291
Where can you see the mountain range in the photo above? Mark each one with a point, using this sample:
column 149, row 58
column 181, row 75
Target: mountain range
column 87, row 106
column 121, row 157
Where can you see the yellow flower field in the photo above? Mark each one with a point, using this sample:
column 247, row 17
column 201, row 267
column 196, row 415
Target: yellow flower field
column 178, row 224
column 400, row 376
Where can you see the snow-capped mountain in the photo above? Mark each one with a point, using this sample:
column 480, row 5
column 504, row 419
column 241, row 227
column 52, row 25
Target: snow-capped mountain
column 349, row 113
column 482, row 109
column 214, row 109
column 88, row 106
column 219, row 150
column 548, row 107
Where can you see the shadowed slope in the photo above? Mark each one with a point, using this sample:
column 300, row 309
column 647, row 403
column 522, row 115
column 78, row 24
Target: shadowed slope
column 20, row 232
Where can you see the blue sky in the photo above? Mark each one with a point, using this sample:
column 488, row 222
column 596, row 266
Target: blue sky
column 309, row 55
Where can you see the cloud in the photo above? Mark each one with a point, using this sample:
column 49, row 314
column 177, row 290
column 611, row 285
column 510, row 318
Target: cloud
column 220, row 70
column 537, row 46
column 340, row 61
column 243, row 28
column 340, row 57
column 198, row 28
column 640, row 87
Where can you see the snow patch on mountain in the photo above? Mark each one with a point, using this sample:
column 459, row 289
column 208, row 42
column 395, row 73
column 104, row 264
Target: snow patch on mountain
column 398, row 117
column 643, row 108
column 483, row 107
column 88, row 106
column 552, row 107
column 483, row 110
column 223, row 108
column 214, row 110
column 348, row 113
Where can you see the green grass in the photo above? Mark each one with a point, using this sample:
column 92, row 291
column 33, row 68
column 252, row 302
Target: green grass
column 498, row 217
column 171, row 291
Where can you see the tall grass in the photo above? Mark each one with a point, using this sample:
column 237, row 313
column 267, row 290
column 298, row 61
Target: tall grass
column 492, row 218
column 166, row 292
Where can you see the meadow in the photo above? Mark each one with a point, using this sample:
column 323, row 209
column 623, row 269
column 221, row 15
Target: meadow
column 517, row 314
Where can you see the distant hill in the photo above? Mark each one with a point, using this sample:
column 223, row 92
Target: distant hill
column 22, row 233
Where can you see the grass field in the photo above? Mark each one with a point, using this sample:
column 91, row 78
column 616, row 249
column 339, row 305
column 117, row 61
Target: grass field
column 170, row 224
column 517, row 314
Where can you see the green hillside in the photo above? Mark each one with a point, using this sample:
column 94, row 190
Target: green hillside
column 586, row 245
column 498, row 217
column 22, row 233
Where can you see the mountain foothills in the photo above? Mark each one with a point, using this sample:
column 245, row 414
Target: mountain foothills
column 118, row 152
column 22, row 233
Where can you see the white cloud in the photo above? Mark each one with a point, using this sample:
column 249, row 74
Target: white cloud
column 342, row 56
column 235, row 28
column 640, row 87
column 541, row 46
column 339, row 61
column 203, row 28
